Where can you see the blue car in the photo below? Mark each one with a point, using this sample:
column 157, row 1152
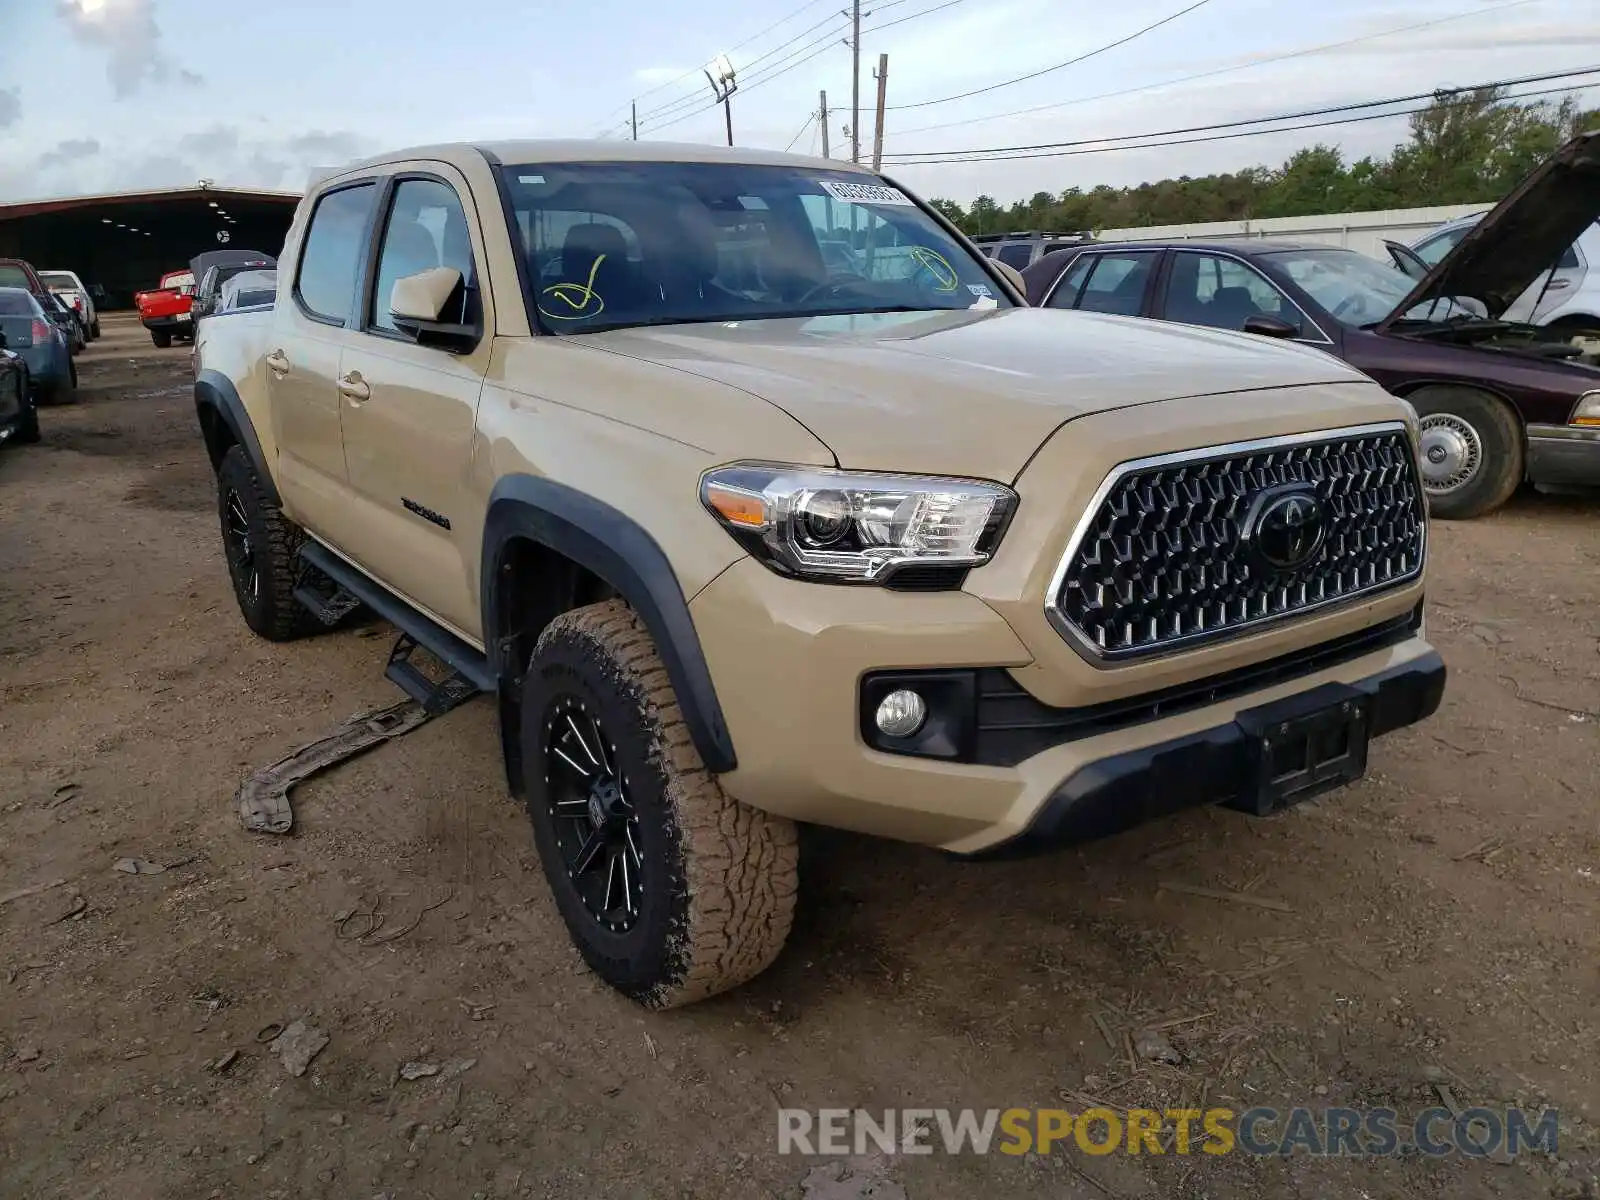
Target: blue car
column 30, row 334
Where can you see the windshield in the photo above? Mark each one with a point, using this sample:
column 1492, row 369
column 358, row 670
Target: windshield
column 646, row 243
column 14, row 277
column 1351, row 286
column 58, row 279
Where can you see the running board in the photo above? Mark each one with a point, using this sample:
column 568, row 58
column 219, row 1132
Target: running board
column 469, row 670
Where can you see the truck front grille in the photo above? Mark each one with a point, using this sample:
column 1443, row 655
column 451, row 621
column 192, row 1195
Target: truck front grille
column 1186, row 549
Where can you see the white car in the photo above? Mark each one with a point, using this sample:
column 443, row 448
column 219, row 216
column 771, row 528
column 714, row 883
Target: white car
column 1567, row 298
column 69, row 287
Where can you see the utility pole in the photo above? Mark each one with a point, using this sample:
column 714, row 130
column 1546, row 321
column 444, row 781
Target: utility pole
column 723, row 85
column 636, row 120
column 883, row 91
column 822, row 116
column 855, row 83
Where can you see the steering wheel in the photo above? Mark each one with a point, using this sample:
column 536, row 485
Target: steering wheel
column 832, row 284
column 1357, row 302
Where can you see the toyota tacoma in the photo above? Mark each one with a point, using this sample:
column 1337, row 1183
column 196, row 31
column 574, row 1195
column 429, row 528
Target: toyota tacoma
column 739, row 536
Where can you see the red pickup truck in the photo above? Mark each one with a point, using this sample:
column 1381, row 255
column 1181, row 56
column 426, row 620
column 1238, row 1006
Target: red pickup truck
column 164, row 311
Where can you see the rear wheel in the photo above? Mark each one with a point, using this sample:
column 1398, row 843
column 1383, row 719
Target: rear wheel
column 94, row 330
column 672, row 890
column 161, row 337
column 28, row 423
column 1472, row 457
column 261, row 546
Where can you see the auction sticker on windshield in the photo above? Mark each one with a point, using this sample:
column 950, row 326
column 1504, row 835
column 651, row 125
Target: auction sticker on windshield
column 865, row 193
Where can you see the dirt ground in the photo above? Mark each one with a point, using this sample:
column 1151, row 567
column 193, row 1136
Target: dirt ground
column 1436, row 926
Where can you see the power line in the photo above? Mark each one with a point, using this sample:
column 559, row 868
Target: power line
column 780, row 68
column 810, row 4
column 1244, row 66
column 801, row 134
column 1071, row 62
column 673, row 107
column 1293, row 116
column 1220, row 137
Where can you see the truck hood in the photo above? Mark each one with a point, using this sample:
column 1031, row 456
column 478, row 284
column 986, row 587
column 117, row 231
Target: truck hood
column 963, row 392
column 1521, row 238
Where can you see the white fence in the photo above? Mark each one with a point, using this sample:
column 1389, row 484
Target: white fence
column 1363, row 231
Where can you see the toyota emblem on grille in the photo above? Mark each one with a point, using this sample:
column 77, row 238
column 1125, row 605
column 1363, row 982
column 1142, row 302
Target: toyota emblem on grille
column 1287, row 528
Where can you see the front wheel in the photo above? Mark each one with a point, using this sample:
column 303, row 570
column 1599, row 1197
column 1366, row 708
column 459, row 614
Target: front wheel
column 1472, row 458
column 671, row 890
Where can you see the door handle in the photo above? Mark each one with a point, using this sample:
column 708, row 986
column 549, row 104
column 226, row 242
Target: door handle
column 1556, row 285
column 355, row 387
column 278, row 362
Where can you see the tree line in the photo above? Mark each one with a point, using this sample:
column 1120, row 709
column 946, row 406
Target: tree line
column 1462, row 149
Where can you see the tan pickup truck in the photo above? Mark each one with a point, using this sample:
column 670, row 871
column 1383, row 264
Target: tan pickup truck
column 754, row 495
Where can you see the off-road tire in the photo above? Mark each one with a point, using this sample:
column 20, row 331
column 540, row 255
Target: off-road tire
column 161, row 337
column 272, row 611
column 718, row 877
column 1499, row 431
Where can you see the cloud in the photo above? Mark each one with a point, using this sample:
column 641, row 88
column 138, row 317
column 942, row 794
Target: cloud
column 231, row 155
column 127, row 31
column 10, row 107
column 655, row 76
column 327, row 149
column 70, row 151
column 211, row 143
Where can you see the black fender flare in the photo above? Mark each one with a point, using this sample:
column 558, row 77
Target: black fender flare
column 619, row 551
column 214, row 393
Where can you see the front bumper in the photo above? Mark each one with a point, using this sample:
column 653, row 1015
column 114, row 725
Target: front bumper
column 793, row 662
column 1213, row 765
column 1564, row 454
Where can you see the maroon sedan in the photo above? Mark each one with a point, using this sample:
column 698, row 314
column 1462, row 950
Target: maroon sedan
column 1499, row 402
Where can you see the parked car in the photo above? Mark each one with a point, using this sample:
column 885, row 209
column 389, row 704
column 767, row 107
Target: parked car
column 167, row 310
column 1025, row 248
column 216, row 267
column 70, row 288
column 737, row 548
column 248, row 289
column 19, row 413
column 1500, row 401
column 40, row 343
column 1564, row 298
column 59, row 312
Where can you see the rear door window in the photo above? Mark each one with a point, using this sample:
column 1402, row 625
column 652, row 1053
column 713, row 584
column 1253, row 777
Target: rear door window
column 1018, row 254
column 326, row 284
column 1117, row 283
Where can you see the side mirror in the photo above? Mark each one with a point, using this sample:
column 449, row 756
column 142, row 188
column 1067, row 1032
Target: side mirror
column 1268, row 325
column 416, row 303
column 1013, row 276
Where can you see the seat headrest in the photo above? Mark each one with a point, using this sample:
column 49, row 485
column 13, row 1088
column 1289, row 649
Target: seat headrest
column 588, row 242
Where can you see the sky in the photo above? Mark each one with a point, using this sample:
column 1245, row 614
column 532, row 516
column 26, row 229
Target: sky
column 107, row 95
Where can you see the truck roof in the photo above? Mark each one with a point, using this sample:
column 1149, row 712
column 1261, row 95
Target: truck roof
column 594, row 150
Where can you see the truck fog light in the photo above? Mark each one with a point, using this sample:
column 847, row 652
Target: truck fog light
column 901, row 713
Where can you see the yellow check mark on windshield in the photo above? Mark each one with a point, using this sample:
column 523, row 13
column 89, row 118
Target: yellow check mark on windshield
column 580, row 298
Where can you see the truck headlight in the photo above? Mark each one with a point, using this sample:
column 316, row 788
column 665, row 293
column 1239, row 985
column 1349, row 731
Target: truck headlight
column 858, row 527
column 1586, row 411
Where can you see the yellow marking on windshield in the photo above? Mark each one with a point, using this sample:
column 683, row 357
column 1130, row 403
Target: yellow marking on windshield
column 944, row 275
column 589, row 303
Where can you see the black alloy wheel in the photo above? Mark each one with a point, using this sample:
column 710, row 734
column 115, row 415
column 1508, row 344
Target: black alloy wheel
column 596, row 826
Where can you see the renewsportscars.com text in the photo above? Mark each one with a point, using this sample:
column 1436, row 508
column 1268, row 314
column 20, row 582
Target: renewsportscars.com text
column 1333, row 1131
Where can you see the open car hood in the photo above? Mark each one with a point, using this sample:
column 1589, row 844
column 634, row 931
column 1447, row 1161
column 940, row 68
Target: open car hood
column 1521, row 238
